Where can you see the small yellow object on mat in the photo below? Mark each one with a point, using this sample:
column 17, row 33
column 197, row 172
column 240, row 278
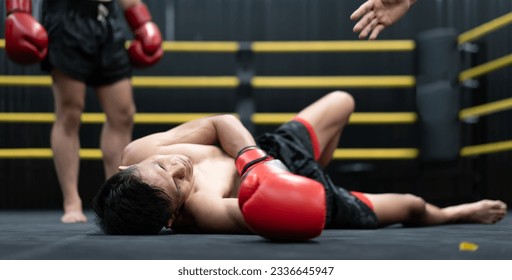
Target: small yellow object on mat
column 468, row 246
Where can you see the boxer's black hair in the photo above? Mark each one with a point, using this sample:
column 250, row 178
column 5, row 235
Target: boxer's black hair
column 127, row 205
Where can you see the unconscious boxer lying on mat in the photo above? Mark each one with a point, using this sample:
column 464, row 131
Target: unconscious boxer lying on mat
column 210, row 175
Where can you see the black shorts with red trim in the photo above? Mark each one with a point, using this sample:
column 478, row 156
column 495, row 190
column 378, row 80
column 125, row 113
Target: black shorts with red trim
column 86, row 41
column 296, row 145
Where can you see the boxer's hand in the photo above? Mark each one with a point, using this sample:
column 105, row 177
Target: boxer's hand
column 375, row 15
column 26, row 41
column 275, row 203
column 146, row 48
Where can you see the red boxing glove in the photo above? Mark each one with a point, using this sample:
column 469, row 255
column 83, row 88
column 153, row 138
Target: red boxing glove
column 26, row 41
column 146, row 48
column 275, row 203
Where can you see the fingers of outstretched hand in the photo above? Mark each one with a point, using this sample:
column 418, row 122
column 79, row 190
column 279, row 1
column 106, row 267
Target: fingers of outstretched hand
column 376, row 31
column 368, row 29
column 362, row 10
column 364, row 21
column 372, row 19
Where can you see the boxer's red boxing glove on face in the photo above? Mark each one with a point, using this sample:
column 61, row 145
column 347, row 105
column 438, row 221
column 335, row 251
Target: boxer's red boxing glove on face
column 146, row 47
column 26, row 41
column 275, row 203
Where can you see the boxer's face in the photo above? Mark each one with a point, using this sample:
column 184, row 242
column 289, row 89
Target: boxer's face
column 171, row 173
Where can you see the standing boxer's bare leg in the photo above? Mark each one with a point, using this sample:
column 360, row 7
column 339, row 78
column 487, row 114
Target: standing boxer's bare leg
column 69, row 97
column 118, row 105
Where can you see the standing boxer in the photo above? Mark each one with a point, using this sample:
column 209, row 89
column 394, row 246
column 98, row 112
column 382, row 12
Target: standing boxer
column 208, row 175
column 82, row 44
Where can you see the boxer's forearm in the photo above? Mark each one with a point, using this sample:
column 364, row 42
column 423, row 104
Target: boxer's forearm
column 225, row 130
column 232, row 135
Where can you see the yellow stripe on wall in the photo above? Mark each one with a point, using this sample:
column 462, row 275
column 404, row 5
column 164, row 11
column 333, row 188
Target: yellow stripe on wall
column 26, row 153
column 35, row 153
column 486, row 68
column 196, row 46
column 486, row 109
column 485, row 28
column 186, row 82
column 333, row 81
column 333, row 46
column 27, row 117
column 383, row 118
column 169, row 118
column 18, row 80
column 370, row 153
column 355, row 118
column 486, row 148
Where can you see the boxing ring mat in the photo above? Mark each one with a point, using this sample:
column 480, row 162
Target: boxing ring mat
column 39, row 235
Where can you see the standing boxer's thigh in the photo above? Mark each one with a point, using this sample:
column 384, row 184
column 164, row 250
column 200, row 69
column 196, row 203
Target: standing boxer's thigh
column 117, row 101
column 69, row 98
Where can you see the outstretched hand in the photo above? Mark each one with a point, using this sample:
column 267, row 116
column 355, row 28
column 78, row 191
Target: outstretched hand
column 375, row 15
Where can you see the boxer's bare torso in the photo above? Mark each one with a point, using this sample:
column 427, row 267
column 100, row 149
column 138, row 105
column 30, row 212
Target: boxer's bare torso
column 210, row 185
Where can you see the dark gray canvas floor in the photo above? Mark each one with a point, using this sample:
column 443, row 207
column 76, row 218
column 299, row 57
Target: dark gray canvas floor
column 39, row 235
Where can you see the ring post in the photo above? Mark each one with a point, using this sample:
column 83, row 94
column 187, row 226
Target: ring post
column 437, row 94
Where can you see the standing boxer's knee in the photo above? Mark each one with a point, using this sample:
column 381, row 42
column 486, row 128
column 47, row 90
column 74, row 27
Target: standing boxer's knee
column 121, row 117
column 69, row 118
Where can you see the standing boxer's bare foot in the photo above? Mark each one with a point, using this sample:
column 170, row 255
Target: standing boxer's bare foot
column 73, row 213
column 73, row 217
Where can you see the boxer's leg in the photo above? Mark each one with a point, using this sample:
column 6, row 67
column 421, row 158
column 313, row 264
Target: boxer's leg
column 327, row 118
column 413, row 210
column 117, row 102
column 69, row 95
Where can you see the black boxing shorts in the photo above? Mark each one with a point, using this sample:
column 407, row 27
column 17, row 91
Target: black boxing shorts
column 86, row 41
column 296, row 145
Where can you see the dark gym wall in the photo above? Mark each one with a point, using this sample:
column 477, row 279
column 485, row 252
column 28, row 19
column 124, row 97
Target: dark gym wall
column 32, row 183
